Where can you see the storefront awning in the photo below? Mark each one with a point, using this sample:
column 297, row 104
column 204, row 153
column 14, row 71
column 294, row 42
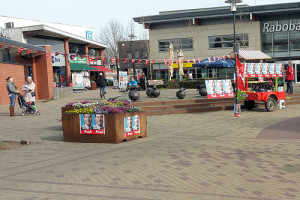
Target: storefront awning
column 81, row 67
column 227, row 63
column 101, row 69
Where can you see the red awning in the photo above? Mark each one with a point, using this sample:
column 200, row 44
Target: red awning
column 101, row 69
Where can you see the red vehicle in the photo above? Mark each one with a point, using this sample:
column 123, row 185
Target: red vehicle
column 269, row 97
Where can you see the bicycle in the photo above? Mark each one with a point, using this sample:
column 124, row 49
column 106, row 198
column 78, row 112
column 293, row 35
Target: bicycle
column 102, row 93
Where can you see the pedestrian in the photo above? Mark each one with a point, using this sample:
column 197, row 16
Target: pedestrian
column 132, row 81
column 12, row 91
column 101, row 82
column 289, row 77
column 143, row 82
column 29, row 88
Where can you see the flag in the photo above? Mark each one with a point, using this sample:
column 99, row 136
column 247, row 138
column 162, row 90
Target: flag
column 188, row 60
column 113, row 60
column 132, row 61
column 20, row 50
column 218, row 58
column 194, row 60
column 152, row 61
column 147, row 61
column 166, row 62
column 38, row 52
column 199, row 60
column 125, row 61
column 177, row 61
column 214, row 59
column 224, row 58
column 140, row 60
column 57, row 53
column 29, row 51
column 82, row 56
column 48, row 54
column 240, row 75
column 119, row 59
column 209, row 59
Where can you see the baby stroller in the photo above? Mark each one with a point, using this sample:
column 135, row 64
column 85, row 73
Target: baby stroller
column 27, row 107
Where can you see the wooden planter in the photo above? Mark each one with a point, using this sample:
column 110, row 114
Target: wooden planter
column 114, row 128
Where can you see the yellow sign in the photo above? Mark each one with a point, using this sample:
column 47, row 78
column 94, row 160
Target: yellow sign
column 185, row 65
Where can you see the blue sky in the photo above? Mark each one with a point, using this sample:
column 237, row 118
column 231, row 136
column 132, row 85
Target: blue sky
column 96, row 13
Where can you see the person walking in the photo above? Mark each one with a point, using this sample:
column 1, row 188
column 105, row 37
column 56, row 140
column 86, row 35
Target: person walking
column 289, row 77
column 101, row 82
column 12, row 91
column 29, row 88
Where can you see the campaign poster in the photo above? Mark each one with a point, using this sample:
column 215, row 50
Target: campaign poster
column 251, row 68
column 279, row 69
column 265, row 68
column 219, row 86
column 272, row 69
column 92, row 124
column 132, row 125
column 77, row 81
column 227, row 87
column 237, row 110
column 210, row 87
column 258, row 68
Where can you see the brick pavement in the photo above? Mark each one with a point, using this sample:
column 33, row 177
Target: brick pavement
column 195, row 156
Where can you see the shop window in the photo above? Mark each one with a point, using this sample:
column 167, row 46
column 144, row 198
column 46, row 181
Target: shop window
column 280, row 42
column 226, row 41
column 186, row 44
column 266, row 42
column 137, row 54
column 294, row 41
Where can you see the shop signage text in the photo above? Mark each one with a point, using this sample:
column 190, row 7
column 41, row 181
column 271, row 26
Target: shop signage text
column 278, row 27
column 58, row 60
column 6, row 33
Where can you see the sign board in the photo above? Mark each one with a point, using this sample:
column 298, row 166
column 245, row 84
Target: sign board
column 123, row 80
column 77, row 81
column 89, row 35
column 279, row 26
column 77, row 60
column 58, row 60
column 96, row 62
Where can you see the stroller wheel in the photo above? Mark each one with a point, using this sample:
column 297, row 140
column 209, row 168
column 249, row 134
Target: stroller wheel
column 37, row 113
column 23, row 114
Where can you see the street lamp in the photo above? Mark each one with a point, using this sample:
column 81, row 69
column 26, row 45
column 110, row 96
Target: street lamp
column 132, row 36
column 235, row 45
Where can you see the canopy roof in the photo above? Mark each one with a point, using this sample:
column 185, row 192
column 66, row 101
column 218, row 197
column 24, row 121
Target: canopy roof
column 211, row 63
column 251, row 55
column 82, row 67
column 101, row 69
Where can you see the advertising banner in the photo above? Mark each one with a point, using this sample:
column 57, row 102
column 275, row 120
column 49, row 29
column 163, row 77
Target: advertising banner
column 219, row 88
column 123, row 80
column 92, row 124
column 132, row 125
column 58, row 60
column 77, row 81
column 264, row 69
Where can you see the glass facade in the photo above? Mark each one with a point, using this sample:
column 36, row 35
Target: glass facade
column 226, row 41
column 281, row 38
column 186, row 44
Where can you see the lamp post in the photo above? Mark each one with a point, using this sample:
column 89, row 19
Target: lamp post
column 132, row 36
column 235, row 45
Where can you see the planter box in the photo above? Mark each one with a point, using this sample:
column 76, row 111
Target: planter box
column 114, row 128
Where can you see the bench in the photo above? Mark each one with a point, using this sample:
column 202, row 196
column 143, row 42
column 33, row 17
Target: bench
column 151, row 83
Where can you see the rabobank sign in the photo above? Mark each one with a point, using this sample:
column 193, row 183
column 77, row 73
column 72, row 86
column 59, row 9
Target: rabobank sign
column 280, row 27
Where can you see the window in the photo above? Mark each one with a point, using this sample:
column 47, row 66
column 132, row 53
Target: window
column 137, row 54
column 280, row 42
column 9, row 25
column 266, row 42
column 186, row 44
column 226, row 41
column 294, row 41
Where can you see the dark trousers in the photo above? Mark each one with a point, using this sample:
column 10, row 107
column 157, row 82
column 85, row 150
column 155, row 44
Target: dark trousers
column 289, row 87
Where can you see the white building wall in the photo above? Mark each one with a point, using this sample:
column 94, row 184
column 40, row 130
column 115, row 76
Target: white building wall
column 19, row 22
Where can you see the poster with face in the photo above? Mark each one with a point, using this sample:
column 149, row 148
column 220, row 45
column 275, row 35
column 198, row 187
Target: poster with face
column 279, row 68
column 219, row 86
column 227, row 86
column 258, row 68
column 272, row 68
column 210, row 87
column 237, row 110
column 265, row 69
column 92, row 124
column 132, row 125
column 251, row 68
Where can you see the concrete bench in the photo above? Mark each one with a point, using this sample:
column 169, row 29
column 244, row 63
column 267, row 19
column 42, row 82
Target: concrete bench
column 151, row 83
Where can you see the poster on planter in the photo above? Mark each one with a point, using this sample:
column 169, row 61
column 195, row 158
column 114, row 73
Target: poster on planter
column 264, row 69
column 92, row 124
column 132, row 125
column 219, row 88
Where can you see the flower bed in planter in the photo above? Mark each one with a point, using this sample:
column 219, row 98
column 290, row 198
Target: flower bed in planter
column 111, row 122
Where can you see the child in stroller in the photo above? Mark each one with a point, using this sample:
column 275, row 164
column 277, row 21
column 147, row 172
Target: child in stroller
column 26, row 106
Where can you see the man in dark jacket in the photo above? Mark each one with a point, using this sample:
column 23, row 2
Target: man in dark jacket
column 101, row 82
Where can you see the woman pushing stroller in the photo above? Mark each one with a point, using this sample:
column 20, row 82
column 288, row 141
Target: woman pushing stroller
column 29, row 88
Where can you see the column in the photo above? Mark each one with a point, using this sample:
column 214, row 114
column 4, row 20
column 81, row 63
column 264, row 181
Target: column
column 68, row 68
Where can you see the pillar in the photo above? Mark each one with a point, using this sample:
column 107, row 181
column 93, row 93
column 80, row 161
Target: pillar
column 43, row 75
column 68, row 68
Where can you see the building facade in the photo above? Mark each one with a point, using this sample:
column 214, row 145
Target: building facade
column 208, row 32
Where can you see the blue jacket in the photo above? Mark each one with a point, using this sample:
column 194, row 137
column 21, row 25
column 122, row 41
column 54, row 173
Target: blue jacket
column 132, row 83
